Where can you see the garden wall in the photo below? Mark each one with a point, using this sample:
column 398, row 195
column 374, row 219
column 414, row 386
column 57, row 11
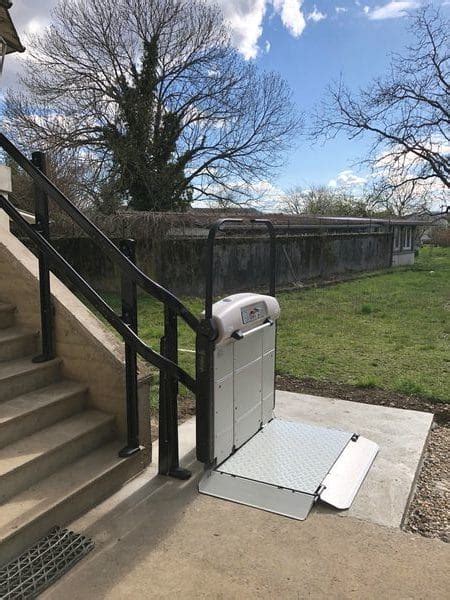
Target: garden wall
column 240, row 263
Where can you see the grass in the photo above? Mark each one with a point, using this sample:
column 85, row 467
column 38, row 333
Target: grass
column 390, row 331
column 151, row 328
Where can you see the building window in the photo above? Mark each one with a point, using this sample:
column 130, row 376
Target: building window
column 407, row 245
column 396, row 238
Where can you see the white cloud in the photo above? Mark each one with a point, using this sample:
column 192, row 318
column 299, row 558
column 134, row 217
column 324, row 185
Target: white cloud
column 348, row 180
column 291, row 15
column 340, row 9
column 268, row 195
column 35, row 25
column 263, row 195
column 246, row 17
column 395, row 165
column 29, row 17
column 392, row 10
column 267, row 46
column 316, row 15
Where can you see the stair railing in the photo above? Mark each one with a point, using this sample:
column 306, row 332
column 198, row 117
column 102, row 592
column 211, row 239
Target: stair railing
column 125, row 324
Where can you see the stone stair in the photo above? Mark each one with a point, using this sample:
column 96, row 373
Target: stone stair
column 58, row 457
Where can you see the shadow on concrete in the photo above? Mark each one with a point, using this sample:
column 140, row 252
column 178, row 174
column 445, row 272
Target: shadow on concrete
column 128, row 534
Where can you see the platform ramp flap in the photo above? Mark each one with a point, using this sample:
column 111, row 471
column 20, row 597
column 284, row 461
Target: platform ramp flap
column 342, row 483
column 287, row 466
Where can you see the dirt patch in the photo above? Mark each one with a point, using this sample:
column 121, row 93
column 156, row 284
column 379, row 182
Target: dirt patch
column 429, row 512
column 186, row 410
column 365, row 395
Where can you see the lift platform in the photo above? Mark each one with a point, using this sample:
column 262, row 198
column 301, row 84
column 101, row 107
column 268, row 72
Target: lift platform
column 287, row 466
column 251, row 457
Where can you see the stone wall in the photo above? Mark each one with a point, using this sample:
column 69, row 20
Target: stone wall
column 241, row 263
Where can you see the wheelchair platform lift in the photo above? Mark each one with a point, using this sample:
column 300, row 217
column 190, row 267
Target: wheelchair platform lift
column 250, row 456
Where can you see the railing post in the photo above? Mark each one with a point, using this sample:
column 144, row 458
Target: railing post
column 130, row 318
column 39, row 160
column 169, row 463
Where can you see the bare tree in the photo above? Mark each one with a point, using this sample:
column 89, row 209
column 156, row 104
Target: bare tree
column 324, row 201
column 413, row 196
column 407, row 112
column 152, row 92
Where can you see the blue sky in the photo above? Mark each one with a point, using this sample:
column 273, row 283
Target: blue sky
column 354, row 41
column 345, row 43
column 311, row 43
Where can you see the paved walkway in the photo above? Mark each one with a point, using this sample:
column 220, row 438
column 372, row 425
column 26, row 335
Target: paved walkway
column 158, row 538
column 177, row 544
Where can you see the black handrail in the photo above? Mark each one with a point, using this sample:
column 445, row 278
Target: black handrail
column 43, row 226
column 126, row 324
column 60, row 263
column 214, row 229
column 128, row 293
column 110, row 249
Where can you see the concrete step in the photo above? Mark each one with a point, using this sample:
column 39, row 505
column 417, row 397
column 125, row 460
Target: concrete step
column 34, row 457
column 21, row 376
column 6, row 315
column 16, row 342
column 28, row 413
column 62, row 497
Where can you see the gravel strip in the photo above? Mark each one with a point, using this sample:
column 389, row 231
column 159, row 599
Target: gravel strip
column 429, row 512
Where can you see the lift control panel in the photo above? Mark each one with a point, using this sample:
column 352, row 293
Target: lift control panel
column 254, row 312
column 240, row 313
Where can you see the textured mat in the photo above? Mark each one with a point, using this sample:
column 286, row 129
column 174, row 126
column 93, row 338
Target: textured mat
column 45, row 562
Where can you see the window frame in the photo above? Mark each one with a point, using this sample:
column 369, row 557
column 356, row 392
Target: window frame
column 407, row 243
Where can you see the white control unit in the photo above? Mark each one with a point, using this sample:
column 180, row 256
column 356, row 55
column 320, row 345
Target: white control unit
column 244, row 369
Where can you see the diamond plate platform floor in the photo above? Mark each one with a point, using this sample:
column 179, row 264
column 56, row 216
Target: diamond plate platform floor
column 272, row 455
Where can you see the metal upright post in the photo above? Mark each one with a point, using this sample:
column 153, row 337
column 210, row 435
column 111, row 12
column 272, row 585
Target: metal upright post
column 39, row 160
column 130, row 318
column 272, row 253
column 169, row 460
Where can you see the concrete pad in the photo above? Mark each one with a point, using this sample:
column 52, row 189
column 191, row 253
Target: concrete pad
column 175, row 543
column 158, row 538
column 384, row 495
column 401, row 435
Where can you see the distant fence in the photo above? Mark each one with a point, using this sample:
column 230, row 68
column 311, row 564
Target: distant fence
column 241, row 263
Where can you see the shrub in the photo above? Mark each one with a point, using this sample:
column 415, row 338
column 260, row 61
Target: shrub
column 441, row 237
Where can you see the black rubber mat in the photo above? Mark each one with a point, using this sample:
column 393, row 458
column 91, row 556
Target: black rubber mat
column 45, row 562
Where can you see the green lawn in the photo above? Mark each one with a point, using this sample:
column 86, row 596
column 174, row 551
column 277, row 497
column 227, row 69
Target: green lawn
column 390, row 331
